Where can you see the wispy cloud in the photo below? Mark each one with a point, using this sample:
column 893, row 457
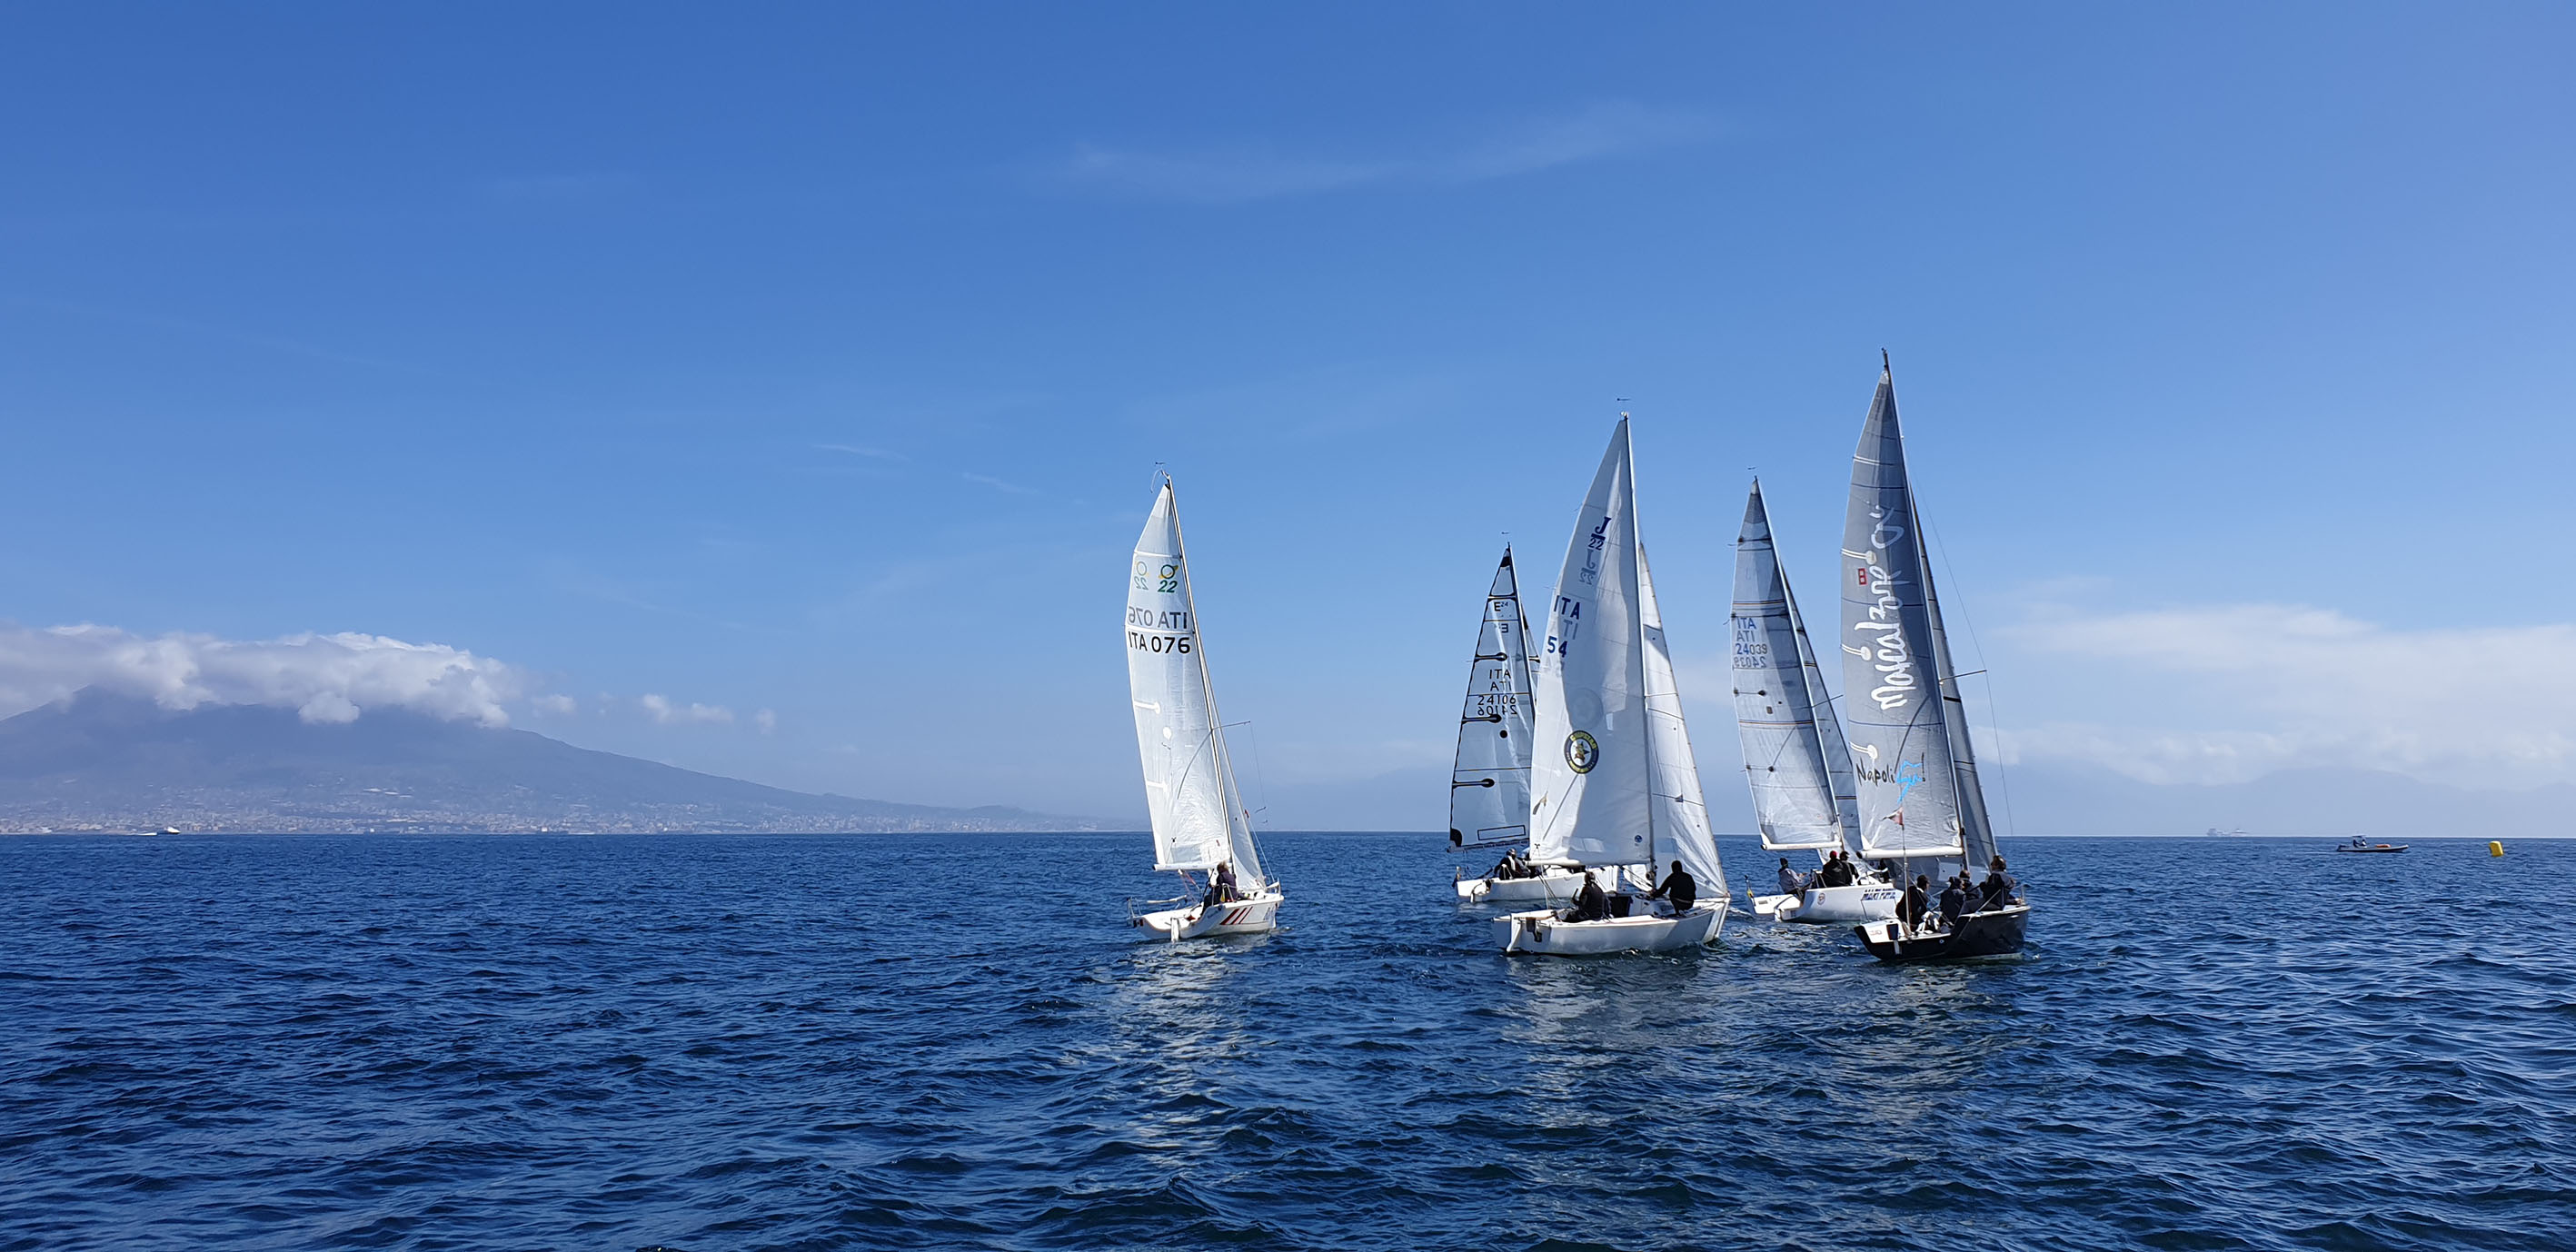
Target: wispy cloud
column 996, row 484
column 2225, row 693
column 555, row 706
column 665, row 712
column 859, row 450
column 1235, row 174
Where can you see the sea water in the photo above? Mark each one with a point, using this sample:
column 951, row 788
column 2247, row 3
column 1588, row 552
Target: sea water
column 782, row 1042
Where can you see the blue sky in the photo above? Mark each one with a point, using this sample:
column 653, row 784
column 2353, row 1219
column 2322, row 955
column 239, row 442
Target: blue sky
column 818, row 362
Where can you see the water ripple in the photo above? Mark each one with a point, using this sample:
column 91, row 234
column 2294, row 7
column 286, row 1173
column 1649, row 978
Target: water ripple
column 807, row 1043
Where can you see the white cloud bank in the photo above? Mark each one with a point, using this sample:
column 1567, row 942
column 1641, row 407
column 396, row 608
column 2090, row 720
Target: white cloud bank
column 2227, row 693
column 324, row 678
column 1608, row 129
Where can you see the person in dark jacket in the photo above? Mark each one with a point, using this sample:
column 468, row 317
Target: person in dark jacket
column 1917, row 902
column 1680, row 888
column 1589, row 904
column 1999, row 888
column 1835, row 872
column 1954, row 900
column 1220, row 886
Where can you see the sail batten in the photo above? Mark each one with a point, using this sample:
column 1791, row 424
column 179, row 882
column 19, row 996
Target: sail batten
column 1489, row 783
column 1197, row 812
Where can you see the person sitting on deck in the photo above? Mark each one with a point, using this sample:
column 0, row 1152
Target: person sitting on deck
column 1510, row 867
column 1589, row 904
column 1916, row 902
column 1679, row 887
column 1220, row 886
column 1999, row 888
column 1828, row 874
column 1954, row 900
column 1791, row 881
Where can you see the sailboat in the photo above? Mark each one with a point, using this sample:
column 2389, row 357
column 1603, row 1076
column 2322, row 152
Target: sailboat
column 1796, row 761
column 1489, row 787
column 1614, row 786
column 1919, row 799
column 1200, row 824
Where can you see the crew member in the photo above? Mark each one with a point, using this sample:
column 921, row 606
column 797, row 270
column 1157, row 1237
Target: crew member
column 1682, row 889
column 1917, row 898
column 1589, row 904
column 1999, row 887
column 1954, row 900
column 1791, row 881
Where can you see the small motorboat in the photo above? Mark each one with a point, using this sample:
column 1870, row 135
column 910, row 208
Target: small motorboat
column 2359, row 844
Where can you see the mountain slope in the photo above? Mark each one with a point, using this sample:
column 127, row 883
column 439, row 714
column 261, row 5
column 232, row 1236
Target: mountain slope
column 114, row 762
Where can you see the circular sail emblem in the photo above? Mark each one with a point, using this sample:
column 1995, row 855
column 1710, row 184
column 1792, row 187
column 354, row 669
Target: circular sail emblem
column 1581, row 751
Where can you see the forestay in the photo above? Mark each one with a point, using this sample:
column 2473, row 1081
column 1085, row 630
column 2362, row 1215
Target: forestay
column 1795, row 760
column 1909, row 798
column 1489, row 787
column 1590, row 774
column 1679, row 817
column 1198, row 817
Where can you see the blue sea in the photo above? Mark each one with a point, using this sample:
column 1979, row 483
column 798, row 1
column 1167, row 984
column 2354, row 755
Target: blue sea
column 889, row 1041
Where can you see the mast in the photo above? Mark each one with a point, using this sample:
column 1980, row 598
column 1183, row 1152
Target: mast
column 1783, row 720
column 1591, row 770
column 1909, row 804
column 1190, row 792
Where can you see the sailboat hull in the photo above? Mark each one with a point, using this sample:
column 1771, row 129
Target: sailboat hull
column 1994, row 932
column 1251, row 915
column 1539, row 933
column 1858, row 903
column 1556, row 886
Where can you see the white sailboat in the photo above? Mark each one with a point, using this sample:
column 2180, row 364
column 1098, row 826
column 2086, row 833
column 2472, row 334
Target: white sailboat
column 1200, row 824
column 1613, row 783
column 1921, row 806
column 1795, row 759
column 1489, row 787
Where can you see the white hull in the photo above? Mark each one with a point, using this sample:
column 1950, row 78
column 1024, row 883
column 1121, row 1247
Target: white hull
column 1250, row 915
column 1538, row 931
column 1854, row 905
column 1556, row 886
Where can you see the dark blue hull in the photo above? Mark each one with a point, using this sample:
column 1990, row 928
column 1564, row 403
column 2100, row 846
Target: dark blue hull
column 1994, row 933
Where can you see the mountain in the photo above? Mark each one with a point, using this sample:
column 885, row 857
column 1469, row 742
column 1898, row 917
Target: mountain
column 101, row 761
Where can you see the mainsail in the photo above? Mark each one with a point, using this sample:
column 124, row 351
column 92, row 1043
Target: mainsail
column 1199, row 819
column 1893, row 678
column 1795, row 760
column 1591, row 774
column 1489, row 787
column 1680, row 811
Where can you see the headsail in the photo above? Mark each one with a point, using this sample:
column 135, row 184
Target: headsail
column 1795, row 760
column 1900, row 739
column 1198, row 816
column 1590, row 777
column 1489, row 787
column 1680, row 812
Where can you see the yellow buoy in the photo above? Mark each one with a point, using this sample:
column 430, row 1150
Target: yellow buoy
column 2495, row 847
